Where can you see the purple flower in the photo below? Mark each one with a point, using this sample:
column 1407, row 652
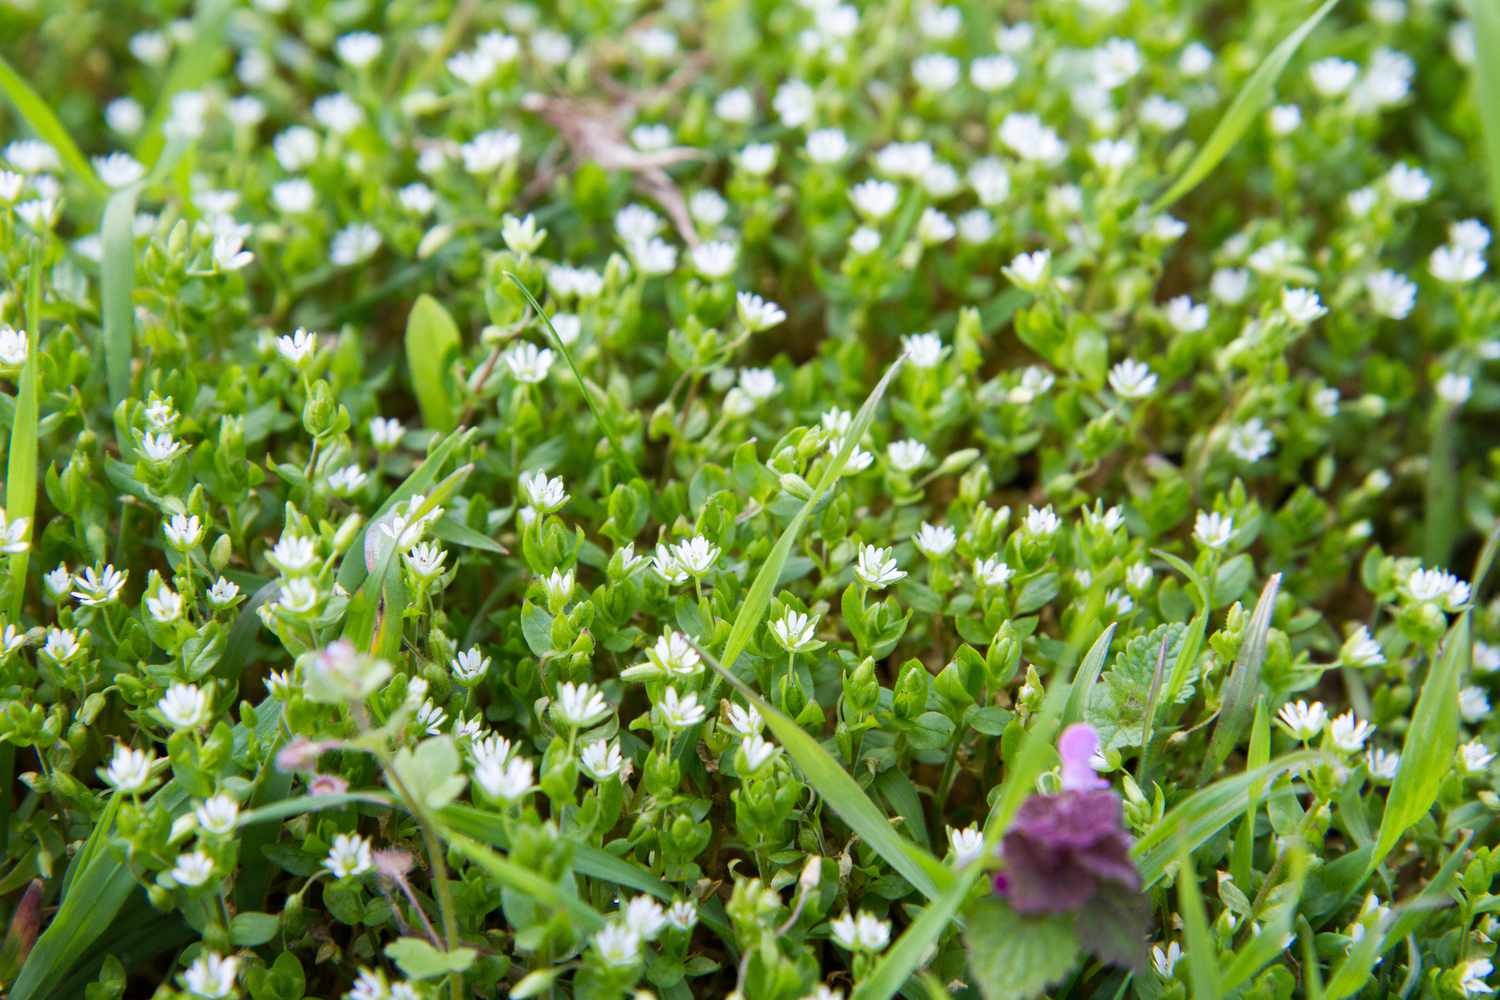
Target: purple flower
column 1077, row 746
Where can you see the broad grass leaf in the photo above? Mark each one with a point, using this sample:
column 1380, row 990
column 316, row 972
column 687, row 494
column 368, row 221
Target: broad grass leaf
column 432, row 341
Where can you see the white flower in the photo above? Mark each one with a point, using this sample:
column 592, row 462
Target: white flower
column 129, row 770
column 908, row 455
column 228, row 251
column 223, row 592
column 349, row 856
column 653, row 256
column 98, row 587
column 714, row 260
column 864, row 240
column 1138, row 577
column 755, row 753
column 1302, row 720
column 1212, row 529
column 1454, row 388
column 417, row 198
column 473, row 67
column 758, row 383
column 1332, row 76
column 60, row 646
column 695, row 556
column 905, row 160
column 735, row 106
column 1472, row 975
column 579, row 706
column 506, row 780
column 218, row 814
column 966, row 845
column 1392, row 295
column 118, row 170
column 1486, row 657
column 1041, row 523
column 1407, row 184
column 12, row 346
column 1474, row 757
column 1185, row 316
column 651, row 137
column 992, row 73
column 339, row 113
column 469, row 665
column 992, row 572
column 680, row 711
column 211, row 976
column 358, row 48
column 618, row 945
column 14, row 533
column 645, row 917
column 1230, row 285
column 1029, row 270
column 756, row 313
column 425, row 560
column 1112, row 155
column 827, row 146
column 11, row 184
column 794, row 103
column 528, row 363
column 159, row 448
column 183, row 531
column 1469, row 234
column 1382, row 764
column 431, row 717
column 794, row 630
column 1159, row 114
column 488, row 151
column 934, row 541
column 866, row 932
column 1455, row 265
column 1473, row 704
column 184, row 706
column 876, row 567
column 1131, row 379
column 298, row 347
column 933, row 227
column 386, row 432
column 1301, row 306
column 347, row 481
column 874, row 199
column 757, row 159
column 923, row 350
column 1164, row 960
column 1438, row 586
column 1250, row 441
column 354, row 244
column 682, row 915
column 1025, row 135
column 1361, row 649
column 490, row 750
column 601, row 761
column 293, row 554
column 664, row 562
column 193, row 869
column 294, row 196
column 1349, row 733
column 744, row 721
column 1116, row 62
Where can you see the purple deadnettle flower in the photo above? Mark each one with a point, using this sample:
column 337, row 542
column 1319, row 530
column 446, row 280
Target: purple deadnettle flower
column 1061, row 850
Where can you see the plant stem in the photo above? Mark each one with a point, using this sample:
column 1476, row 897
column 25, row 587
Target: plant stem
column 446, row 912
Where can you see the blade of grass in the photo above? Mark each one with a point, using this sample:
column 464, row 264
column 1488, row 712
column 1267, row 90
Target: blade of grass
column 1240, row 690
column 1431, row 742
column 196, row 64
column 1486, row 17
column 432, row 340
column 842, row 792
column 1088, row 674
column 117, row 270
column 300, row 804
column 1247, row 104
column 1258, row 756
column 528, row 883
column 1485, row 561
column 1206, row 812
column 1440, row 518
column 621, row 455
column 44, row 123
column 1198, row 946
column 21, row 462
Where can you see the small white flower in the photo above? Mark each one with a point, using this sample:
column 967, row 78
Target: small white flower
column 1041, row 523
column 874, row 199
column 934, row 541
column 993, row 73
column 509, row 780
column 827, row 146
column 1332, row 76
column 338, row 113
column 1302, row 720
column 293, row 554
column 601, row 760
column 425, row 560
column 99, row 587
column 218, row 814
column 1486, row 657
column 184, row 706
column 1301, row 306
column 183, row 531
column 386, row 432
column 1131, row 379
column 1250, row 441
column 682, row 915
column 618, row 946
column 1349, row 733
column 992, row 572
column 794, row 630
column 758, row 314
column 1164, row 960
column 14, row 533
column 228, row 251
column 354, row 244
column 1455, row 265
column 744, row 721
column 866, row 932
column 297, row 348
column 757, row 159
column 1025, row 135
column 1473, row 704
column 1361, row 649
column 223, row 592
column 907, row 456
column 966, row 845
column 758, row 383
column 664, row 562
column 1029, row 270
column 1230, row 285
column 129, row 770
column 924, row 350
column 679, row 711
column 528, row 363
column 431, row 717
column 60, row 646
column 160, row 448
column 349, row 856
column 755, row 753
column 1159, row 114
column 293, row 197
column 211, row 976
column 715, row 259
column 1382, row 764
column 695, row 556
column 933, row 227
column 489, row 151
column 1407, row 184
column 1212, row 529
column 579, row 706
column 1186, row 316
column 1472, row 975
column 735, row 106
column 877, row 567
column 645, row 917
column 358, row 48
column 795, row 103
column 12, row 347
column 1392, row 294
column 1475, row 758
column 417, row 198
column 347, row 481
column 1469, row 234
column 470, row 665
column 118, row 170
column 1438, row 586
column 1454, row 388
column 192, row 870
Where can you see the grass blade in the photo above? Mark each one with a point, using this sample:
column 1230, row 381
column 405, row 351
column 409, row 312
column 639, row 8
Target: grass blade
column 1247, row 104
column 1088, row 674
column 1206, row 812
column 842, row 792
column 432, row 340
column 117, row 281
column 1485, row 561
column 1198, row 944
column 1241, row 688
column 21, row 462
column 1440, row 517
column 297, row 805
column 1431, row 741
column 621, row 455
column 1486, row 16
column 528, row 883
column 45, row 124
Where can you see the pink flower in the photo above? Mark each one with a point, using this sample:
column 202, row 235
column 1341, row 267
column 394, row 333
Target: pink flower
column 1077, row 747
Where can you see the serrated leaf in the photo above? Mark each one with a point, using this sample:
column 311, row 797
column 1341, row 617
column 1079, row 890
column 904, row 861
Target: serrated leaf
column 1012, row 957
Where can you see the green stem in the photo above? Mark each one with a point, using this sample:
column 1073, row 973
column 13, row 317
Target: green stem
column 446, row 912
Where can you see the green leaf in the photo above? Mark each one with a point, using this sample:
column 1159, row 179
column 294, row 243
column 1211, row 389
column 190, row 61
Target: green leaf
column 1253, row 97
column 45, row 124
column 1431, row 743
column 21, row 462
column 432, row 342
column 420, row 960
column 117, row 271
column 621, row 455
column 300, row 804
column 1486, row 17
column 1198, row 945
column 432, row 771
column 1440, row 516
column 1088, row 675
column 1013, row 957
column 249, row 929
column 528, row 883
column 1243, row 685
column 1122, row 704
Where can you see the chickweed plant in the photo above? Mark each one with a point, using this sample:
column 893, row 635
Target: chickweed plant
column 756, row 500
